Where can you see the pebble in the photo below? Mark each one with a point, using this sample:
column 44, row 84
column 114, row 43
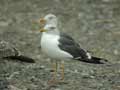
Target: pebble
column 106, row 0
column 4, row 24
column 76, row 71
column 57, row 89
column 116, row 52
column 42, row 67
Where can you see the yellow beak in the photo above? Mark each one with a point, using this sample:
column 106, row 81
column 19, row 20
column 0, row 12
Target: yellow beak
column 42, row 21
column 43, row 30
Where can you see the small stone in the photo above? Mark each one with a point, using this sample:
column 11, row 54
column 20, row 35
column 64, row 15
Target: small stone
column 106, row 0
column 80, row 15
column 57, row 89
column 76, row 71
column 2, row 23
column 116, row 52
column 42, row 67
column 92, row 77
column 58, row 1
column 38, row 56
column 85, row 74
column 91, row 33
column 11, row 87
column 48, row 59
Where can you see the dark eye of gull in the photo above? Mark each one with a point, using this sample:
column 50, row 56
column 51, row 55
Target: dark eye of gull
column 50, row 18
column 52, row 28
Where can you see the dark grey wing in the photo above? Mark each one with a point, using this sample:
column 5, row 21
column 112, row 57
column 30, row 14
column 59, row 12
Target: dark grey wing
column 68, row 44
column 68, row 39
column 66, row 36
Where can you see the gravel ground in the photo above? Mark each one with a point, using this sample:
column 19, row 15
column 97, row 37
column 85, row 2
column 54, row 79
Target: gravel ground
column 93, row 23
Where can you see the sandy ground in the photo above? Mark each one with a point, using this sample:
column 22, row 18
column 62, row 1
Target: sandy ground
column 93, row 23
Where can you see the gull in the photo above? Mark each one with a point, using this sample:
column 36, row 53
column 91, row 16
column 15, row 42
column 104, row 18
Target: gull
column 8, row 51
column 60, row 46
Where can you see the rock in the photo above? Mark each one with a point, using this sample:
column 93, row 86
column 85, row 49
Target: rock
column 3, row 84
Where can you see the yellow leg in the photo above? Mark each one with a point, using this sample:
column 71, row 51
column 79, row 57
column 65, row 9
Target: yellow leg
column 55, row 70
column 62, row 71
column 54, row 73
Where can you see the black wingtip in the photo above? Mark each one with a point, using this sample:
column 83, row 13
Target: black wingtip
column 21, row 58
column 100, row 60
column 95, row 60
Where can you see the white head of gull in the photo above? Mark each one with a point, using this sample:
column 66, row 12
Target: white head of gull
column 49, row 19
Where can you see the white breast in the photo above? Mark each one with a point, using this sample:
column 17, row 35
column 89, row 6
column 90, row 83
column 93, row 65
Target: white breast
column 49, row 45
